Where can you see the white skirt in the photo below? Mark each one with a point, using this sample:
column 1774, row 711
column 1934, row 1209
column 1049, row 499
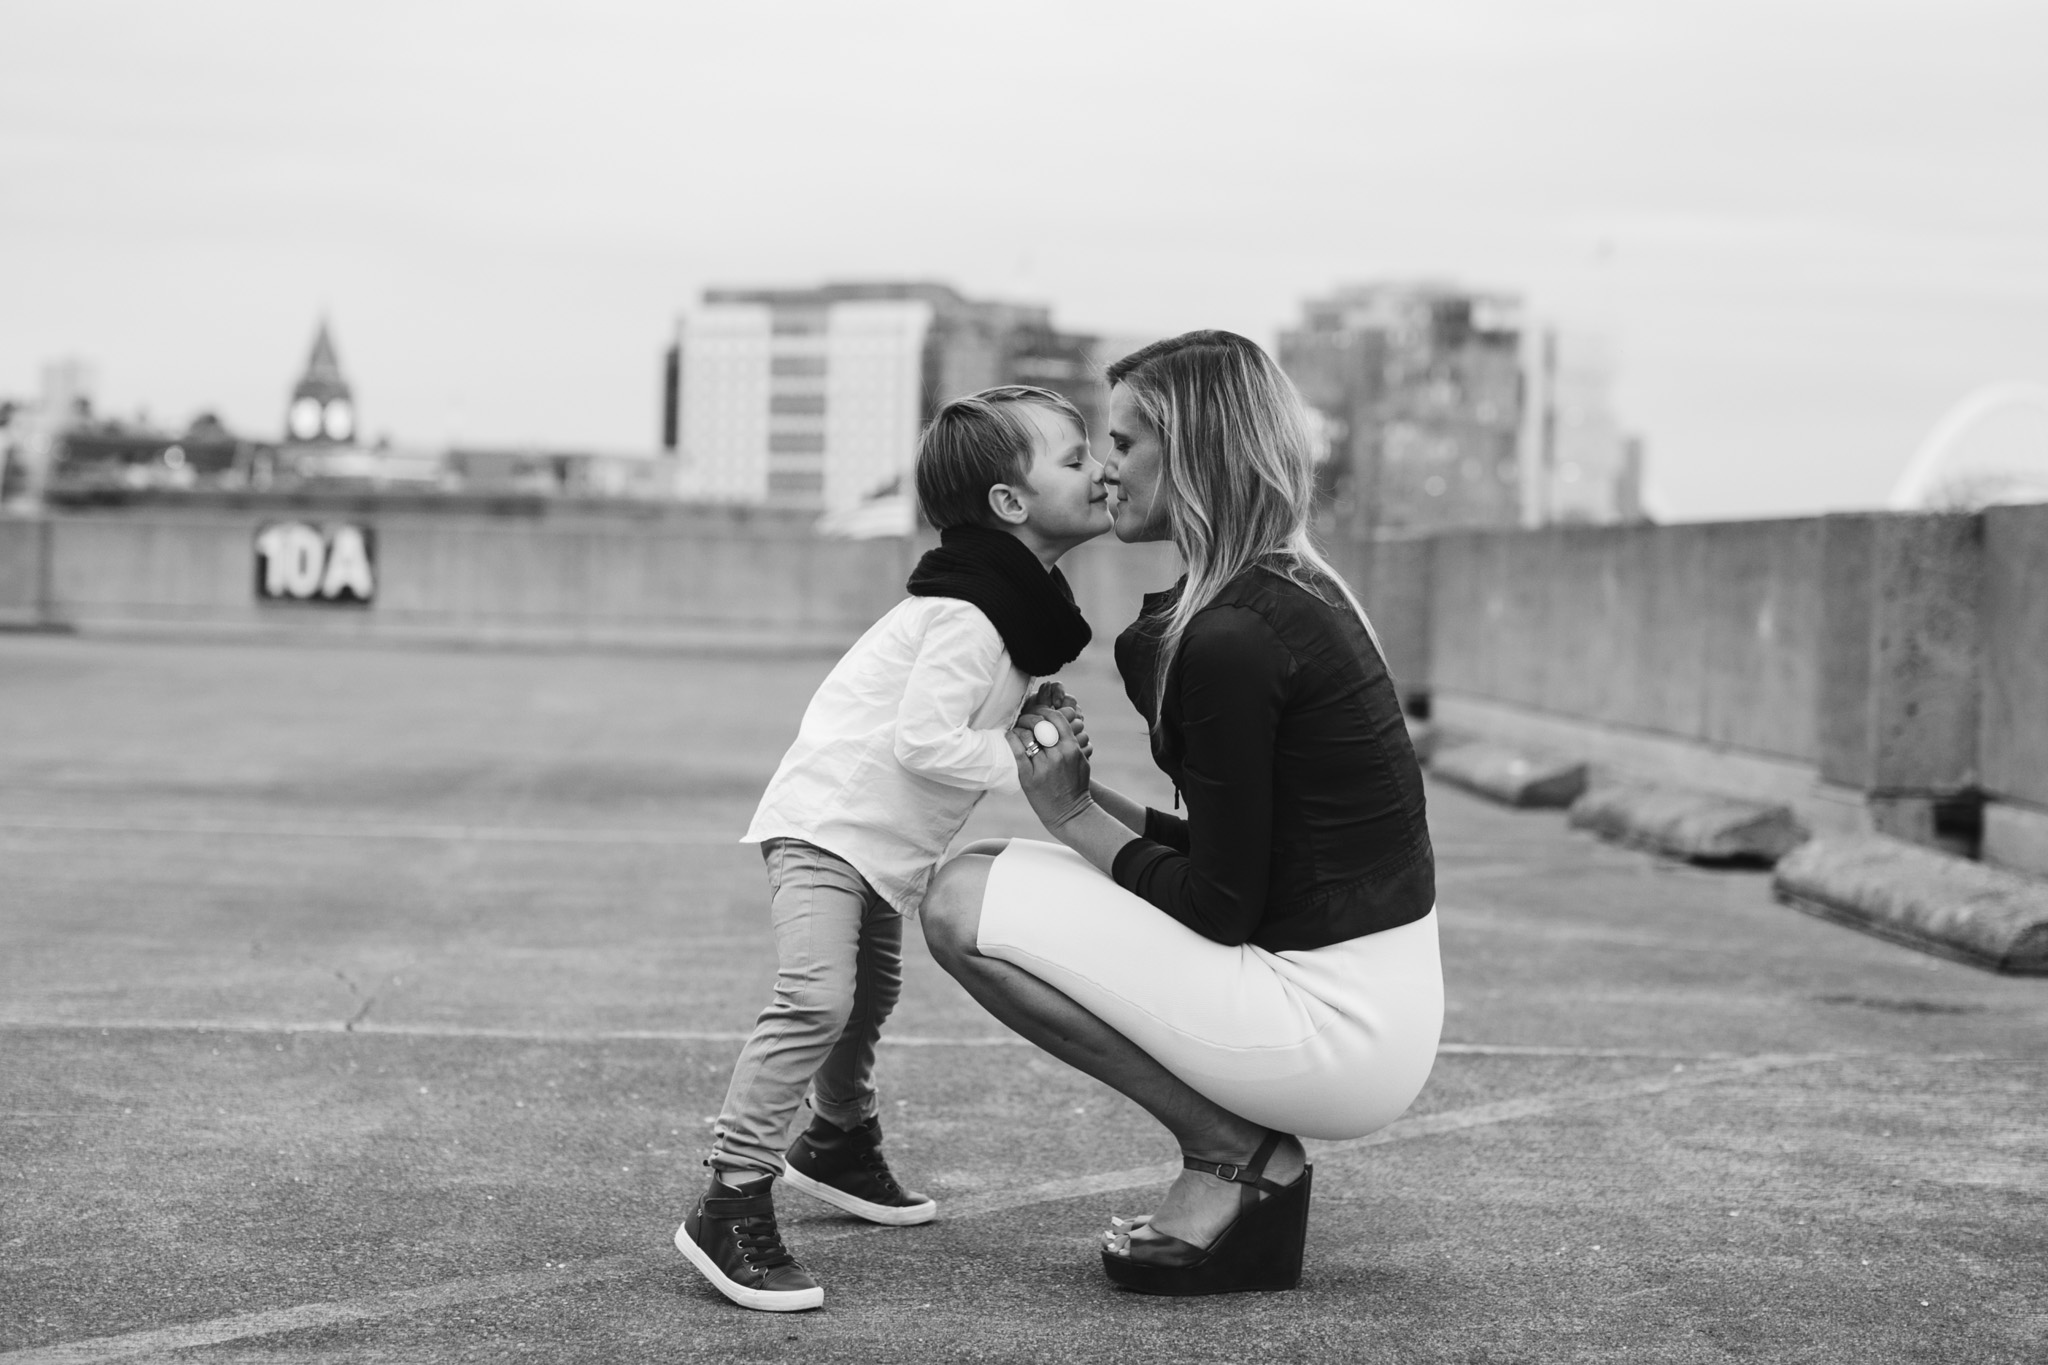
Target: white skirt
column 1333, row 1042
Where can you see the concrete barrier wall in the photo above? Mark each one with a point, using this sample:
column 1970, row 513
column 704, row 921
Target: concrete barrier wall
column 2014, row 721
column 1707, row 633
column 574, row 578
column 1899, row 667
column 581, row 574
column 1110, row 581
column 1390, row 576
column 150, row 567
column 21, row 570
column 1837, row 664
column 1896, row 664
column 614, row 577
column 584, row 575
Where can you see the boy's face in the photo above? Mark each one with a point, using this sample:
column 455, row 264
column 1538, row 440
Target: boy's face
column 1066, row 503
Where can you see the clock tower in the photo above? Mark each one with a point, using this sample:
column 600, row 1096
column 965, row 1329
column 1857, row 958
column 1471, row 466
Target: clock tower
column 322, row 411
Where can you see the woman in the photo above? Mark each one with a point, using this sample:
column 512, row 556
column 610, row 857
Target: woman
column 1266, row 967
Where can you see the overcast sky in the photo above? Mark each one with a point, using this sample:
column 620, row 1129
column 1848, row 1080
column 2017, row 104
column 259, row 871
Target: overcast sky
column 1808, row 227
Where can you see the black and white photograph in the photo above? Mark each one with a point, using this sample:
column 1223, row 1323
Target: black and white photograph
column 1332, row 681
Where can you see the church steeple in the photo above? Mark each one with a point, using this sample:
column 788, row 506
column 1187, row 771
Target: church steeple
column 323, row 410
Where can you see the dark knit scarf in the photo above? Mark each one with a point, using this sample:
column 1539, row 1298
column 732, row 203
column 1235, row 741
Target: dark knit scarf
column 1032, row 609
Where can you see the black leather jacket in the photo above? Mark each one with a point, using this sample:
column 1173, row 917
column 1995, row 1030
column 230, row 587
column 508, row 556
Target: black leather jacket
column 1281, row 728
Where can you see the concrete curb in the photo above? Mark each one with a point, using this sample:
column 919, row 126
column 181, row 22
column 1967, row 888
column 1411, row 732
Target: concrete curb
column 1697, row 826
column 1916, row 896
column 1509, row 775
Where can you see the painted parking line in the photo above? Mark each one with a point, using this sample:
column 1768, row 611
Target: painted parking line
column 452, row 1032
column 582, row 1037
column 460, row 1032
column 474, row 1289
column 271, row 1322
column 1406, row 1130
column 585, row 1037
column 475, row 834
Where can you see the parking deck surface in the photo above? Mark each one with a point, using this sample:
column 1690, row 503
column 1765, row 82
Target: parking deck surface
column 363, row 1004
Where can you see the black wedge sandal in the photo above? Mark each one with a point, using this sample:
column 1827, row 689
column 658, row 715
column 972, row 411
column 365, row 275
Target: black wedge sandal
column 1260, row 1252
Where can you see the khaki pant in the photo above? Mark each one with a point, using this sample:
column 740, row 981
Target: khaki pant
column 839, row 956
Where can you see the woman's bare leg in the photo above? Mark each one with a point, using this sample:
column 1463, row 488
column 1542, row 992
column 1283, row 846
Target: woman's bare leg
column 1199, row 1206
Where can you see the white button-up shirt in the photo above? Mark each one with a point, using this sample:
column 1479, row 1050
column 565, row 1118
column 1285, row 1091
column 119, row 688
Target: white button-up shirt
column 897, row 747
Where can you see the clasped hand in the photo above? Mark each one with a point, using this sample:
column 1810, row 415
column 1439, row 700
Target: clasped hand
column 1054, row 776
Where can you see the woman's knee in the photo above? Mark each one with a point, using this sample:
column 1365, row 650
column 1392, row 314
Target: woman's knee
column 952, row 906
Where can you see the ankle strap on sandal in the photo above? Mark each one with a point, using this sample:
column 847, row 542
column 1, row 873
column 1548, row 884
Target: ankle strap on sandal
column 1252, row 1172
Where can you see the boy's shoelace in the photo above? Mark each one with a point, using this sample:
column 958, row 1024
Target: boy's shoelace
column 878, row 1167
column 761, row 1241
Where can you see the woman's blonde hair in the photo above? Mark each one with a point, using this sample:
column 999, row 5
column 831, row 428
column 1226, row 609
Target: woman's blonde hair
column 1237, row 472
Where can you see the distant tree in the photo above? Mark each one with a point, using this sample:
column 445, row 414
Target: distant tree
column 207, row 426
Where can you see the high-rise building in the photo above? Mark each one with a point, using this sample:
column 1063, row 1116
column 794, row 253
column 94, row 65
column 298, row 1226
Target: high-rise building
column 1417, row 391
column 671, row 396
column 813, row 398
column 1579, row 465
column 1440, row 407
column 33, row 436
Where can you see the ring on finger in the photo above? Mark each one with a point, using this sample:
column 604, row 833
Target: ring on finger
column 1032, row 749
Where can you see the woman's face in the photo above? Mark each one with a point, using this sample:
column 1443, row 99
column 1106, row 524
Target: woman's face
column 1135, row 472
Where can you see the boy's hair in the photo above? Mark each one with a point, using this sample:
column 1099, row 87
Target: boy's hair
column 975, row 443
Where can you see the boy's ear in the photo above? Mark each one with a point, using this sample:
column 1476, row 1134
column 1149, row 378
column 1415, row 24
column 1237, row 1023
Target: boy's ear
column 1008, row 507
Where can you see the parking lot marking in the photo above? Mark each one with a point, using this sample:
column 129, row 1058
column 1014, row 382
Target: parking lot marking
column 453, row 1032
column 476, row 834
column 583, row 1036
column 473, row 1289
column 1407, row 1129
column 270, row 1322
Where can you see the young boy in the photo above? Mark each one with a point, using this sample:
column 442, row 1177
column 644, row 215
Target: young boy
column 897, row 747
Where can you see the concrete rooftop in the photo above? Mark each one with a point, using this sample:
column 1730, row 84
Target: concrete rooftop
column 370, row 1005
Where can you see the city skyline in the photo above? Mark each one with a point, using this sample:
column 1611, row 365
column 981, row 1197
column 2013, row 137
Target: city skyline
column 1804, row 228
column 1428, row 408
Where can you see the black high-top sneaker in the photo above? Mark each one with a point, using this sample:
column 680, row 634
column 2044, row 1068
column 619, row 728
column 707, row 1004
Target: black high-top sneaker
column 731, row 1237
column 846, row 1169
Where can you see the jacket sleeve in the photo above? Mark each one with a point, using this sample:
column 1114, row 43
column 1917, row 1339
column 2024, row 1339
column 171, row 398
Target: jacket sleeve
column 1233, row 678
column 959, row 661
column 1163, row 827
